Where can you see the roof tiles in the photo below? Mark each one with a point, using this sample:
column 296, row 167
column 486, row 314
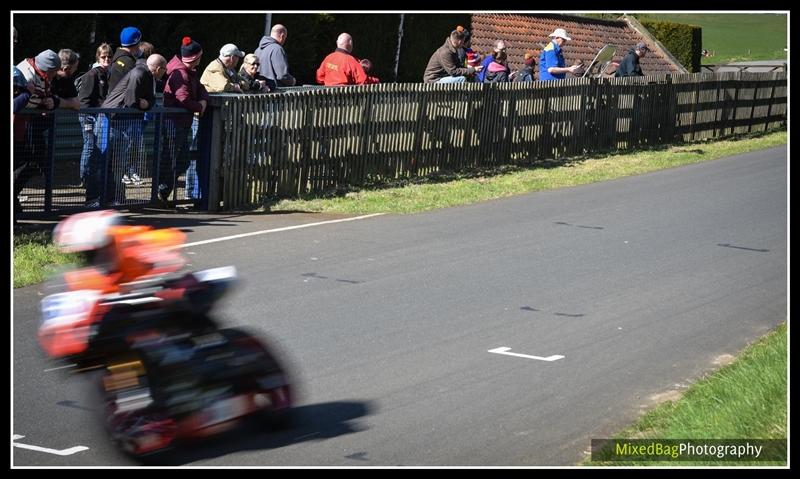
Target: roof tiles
column 531, row 32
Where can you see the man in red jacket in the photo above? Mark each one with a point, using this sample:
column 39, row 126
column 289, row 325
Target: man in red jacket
column 341, row 67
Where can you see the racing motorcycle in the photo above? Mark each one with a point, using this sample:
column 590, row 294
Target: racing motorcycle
column 166, row 371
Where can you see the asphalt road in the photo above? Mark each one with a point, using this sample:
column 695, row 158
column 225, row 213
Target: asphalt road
column 387, row 322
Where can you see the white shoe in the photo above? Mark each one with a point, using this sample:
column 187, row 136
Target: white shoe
column 136, row 180
column 126, row 179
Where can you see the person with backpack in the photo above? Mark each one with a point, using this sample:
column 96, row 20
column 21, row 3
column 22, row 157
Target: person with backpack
column 526, row 72
column 124, row 60
column 92, row 89
column 125, row 57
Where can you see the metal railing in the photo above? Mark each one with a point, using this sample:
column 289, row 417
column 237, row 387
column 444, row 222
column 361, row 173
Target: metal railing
column 65, row 160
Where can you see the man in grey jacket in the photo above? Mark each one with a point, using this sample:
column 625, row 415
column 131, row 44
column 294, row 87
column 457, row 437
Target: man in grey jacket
column 135, row 91
column 272, row 58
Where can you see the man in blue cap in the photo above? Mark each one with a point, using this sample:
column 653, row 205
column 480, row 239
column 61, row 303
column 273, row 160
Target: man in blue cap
column 125, row 57
column 123, row 62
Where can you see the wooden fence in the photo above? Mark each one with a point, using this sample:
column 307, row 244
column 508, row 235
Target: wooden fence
column 287, row 144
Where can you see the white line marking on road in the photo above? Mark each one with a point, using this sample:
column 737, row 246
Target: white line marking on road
column 61, row 367
column 504, row 350
column 276, row 230
column 61, row 452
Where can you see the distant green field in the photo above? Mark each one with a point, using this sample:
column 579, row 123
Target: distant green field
column 735, row 37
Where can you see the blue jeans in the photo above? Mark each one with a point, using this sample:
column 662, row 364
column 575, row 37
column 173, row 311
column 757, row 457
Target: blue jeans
column 134, row 152
column 192, row 181
column 87, row 127
column 460, row 79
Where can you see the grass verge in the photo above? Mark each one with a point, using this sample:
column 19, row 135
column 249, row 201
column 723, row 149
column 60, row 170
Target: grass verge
column 743, row 400
column 33, row 250
column 460, row 188
column 35, row 256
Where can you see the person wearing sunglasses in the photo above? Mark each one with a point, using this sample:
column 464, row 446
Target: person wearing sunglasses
column 92, row 91
column 252, row 81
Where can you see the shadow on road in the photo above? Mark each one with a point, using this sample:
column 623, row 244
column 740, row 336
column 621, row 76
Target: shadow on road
column 308, row 423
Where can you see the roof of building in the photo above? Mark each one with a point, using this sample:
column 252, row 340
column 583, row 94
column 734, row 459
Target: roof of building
column 589, row 35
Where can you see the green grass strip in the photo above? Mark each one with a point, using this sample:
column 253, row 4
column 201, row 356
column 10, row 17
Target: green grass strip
column 453, row 189
column 35, row 257
column 743, row 400
column 33, row 251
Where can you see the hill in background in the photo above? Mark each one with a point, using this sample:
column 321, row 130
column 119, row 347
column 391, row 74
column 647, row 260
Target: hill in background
column 735, row 37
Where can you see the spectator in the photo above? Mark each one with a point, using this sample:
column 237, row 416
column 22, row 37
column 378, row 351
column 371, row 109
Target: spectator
column 274, row 65
column 629, row 67
column 526, row 72
column 473, row 59
column 136, row 91
column 252, row 81
column 220, row 75
column 30, row 131
column 91, row 94
column 145, row 50
column 499, row 46
column 466, row 47
column 551, row 61
column 137, row 129
column 182, row 90
column 64, row 85
column 22, row 89
column 497, row 71
column 366, row 64
column 444, row 66
column 125, row 56
column 41, row 71
column 341, row 67
column 94, row 84
column 467, row 56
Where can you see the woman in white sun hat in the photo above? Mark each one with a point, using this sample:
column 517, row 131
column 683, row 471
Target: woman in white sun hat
column 551, row 61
